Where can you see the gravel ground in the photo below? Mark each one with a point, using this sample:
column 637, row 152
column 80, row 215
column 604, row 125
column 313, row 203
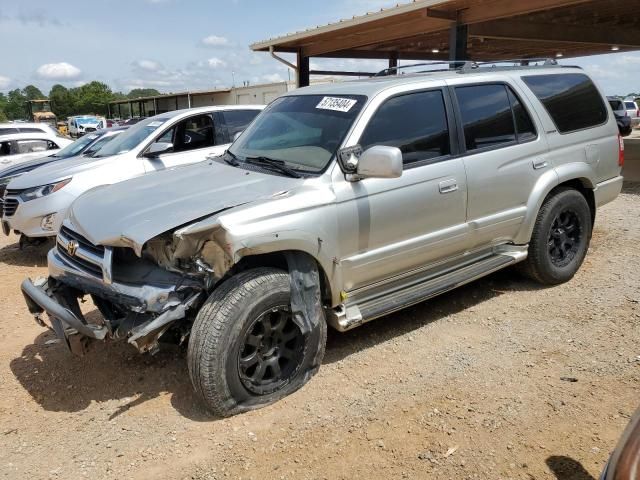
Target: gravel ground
column 498, row 380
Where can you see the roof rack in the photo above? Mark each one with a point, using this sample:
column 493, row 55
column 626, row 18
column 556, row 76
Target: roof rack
column 467, row 66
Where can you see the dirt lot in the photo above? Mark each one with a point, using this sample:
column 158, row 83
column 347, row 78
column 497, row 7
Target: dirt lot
column 498, row 380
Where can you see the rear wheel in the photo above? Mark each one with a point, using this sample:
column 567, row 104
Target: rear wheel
column 560, row 239
column 245, row 350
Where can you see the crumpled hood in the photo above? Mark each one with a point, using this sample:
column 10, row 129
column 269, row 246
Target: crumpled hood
column 59, row 170
column 132, row 212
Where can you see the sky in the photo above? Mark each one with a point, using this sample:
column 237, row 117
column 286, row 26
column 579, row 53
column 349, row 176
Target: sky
column 178, row 45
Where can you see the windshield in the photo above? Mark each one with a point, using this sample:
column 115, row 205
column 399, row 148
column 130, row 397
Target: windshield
column 132, row 137
column 303, row 131
column 90, row 152
column 77, row 147
column 83, row 120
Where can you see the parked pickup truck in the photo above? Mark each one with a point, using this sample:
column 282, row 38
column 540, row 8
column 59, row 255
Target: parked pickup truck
column 341, row 203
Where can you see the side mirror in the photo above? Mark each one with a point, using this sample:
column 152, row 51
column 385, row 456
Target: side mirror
column 237, row 135
column 158, row 148
column 380, row 162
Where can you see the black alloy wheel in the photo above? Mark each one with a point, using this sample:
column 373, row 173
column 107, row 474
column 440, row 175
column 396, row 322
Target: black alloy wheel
column 271, row 351
column 564, row 238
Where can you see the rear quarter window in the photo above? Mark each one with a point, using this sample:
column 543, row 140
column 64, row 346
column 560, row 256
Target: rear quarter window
column 572, row 100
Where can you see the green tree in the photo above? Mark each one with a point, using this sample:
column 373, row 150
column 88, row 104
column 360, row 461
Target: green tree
column 62, row 101
column 15, row 108
column 32, row 92
column 3, row 105
column 92, row 98
column 143, row 92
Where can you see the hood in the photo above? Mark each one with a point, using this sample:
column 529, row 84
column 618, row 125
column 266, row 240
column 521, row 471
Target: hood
column 27, row 166
column 132, row 212
column 58, row 170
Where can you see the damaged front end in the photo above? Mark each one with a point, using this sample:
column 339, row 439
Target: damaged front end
column 140, row 298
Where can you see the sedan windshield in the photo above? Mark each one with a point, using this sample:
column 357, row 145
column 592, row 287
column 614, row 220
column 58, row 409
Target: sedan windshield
column 77, row 147
column 132, row 137
column 302, row 131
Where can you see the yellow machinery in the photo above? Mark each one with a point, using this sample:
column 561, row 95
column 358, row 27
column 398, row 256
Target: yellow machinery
column 40, row 112
column 63, row 128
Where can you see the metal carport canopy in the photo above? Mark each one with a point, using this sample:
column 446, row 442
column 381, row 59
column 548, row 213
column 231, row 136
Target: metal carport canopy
column 469, row 29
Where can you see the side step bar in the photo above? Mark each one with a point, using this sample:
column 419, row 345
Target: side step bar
column 355, row 313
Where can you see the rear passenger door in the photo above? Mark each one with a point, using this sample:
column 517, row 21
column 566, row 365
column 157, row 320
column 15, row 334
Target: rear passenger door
column 391, row 226
column 504, row 157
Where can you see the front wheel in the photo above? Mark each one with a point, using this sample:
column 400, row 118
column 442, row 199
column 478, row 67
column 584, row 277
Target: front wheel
column 245, row 350
column 560, row 239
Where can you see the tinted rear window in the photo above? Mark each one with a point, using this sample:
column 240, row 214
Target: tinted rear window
column 572, row 100
column 630, row 105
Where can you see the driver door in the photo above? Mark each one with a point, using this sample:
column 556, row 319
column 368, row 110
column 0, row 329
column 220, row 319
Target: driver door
column 193, row 139
column 392, row 226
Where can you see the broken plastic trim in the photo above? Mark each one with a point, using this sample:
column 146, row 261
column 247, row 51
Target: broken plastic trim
column 306, row 305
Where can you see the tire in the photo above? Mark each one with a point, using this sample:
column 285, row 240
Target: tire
column 226, row 361
column 560, row 239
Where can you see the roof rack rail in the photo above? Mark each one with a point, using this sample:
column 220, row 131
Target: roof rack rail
column 389, row 71
column 466, row 66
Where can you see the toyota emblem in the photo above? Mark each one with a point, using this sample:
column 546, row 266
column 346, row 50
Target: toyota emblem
column 72, row 247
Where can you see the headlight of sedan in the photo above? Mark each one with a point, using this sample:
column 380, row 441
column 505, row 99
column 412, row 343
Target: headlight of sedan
column 43, row 191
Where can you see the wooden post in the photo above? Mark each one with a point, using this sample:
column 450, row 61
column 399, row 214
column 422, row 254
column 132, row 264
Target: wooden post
column 458, row 36
column 303, row 70
column 393, row 60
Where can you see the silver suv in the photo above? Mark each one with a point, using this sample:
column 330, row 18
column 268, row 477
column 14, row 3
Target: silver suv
column 340, row 204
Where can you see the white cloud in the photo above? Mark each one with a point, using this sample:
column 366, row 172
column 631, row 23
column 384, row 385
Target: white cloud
column 4, row 82
column 58, row 71
column 215, row 41
column 148, row 65
column 215, row 62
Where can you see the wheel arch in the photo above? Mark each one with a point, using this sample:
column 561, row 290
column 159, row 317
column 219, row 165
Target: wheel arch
column 277, row 259
column 545, row 187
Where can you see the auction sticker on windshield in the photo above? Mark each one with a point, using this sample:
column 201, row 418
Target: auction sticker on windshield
column 336, row 104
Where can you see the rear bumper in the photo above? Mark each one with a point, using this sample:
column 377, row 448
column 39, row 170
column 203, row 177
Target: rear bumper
column 608, row 191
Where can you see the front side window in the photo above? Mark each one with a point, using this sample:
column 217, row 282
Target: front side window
column 31, row 146
column 571, row 99
column 486, row 116
column 416, row 123
column 193, row 133
column 303, row 131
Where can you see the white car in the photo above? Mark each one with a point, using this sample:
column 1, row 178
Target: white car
column 27, row 127
column 20, row 147
column 81, row 124
column 36, row 203
column 632, row 111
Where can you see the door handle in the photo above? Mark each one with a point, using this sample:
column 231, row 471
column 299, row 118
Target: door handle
column 448, row 186
column 540, row 164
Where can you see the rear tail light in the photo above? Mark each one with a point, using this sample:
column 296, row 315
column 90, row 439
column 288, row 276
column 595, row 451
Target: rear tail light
column 620, row 151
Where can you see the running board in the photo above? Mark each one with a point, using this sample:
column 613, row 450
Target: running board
column 418, row 288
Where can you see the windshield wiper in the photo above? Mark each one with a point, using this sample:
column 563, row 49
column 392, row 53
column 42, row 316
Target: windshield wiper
column 231, row 158
column 276, row 164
